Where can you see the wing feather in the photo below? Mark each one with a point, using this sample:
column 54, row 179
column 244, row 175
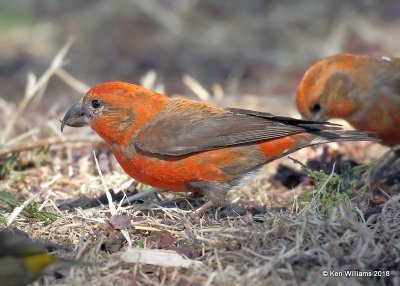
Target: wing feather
column 179, row 131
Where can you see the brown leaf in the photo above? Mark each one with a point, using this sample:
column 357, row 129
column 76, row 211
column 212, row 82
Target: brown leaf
column 113, row 243
column 187, row 251
column 165, row 239
column 120, row 221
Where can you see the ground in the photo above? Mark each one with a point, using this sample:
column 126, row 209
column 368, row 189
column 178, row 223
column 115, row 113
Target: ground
column 297, row 223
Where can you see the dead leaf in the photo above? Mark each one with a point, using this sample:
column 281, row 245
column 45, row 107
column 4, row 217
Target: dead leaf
column 113, row 243
column 120, row 221
column 164, row 239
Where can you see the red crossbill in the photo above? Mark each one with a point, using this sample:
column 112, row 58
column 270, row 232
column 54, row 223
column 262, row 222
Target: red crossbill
column 182, row 145
column 363, row 90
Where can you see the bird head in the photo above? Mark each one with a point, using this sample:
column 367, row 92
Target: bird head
column 115, row 110
column 328, row 89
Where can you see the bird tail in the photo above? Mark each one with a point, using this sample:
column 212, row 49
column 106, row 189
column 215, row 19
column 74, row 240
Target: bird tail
column 339, row 135
column 327, row 131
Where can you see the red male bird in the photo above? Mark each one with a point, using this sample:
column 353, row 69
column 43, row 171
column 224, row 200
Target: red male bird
column 363, row 90
column 183, row 145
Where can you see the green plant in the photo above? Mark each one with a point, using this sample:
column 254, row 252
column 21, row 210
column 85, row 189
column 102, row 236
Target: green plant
column 139, row 242
column 330, row 189
column 9, row 164
column 31, row 209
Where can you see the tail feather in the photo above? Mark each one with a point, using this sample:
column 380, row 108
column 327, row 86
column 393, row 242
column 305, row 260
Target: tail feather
column 332, row 132
column 342, row 135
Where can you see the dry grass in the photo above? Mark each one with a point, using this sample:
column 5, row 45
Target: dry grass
column 232, row 246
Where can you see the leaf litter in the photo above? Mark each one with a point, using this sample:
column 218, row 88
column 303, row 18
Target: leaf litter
column 288, row 226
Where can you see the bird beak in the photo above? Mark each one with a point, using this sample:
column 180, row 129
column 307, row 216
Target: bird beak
column 75, row 117
column 312, row 117
column 318, row 117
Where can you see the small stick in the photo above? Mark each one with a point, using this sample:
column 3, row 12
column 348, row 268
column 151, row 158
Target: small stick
column 196, row 87
column 111, row 205
column 203, row 208
column 45, row 142
column 33, row 86
column 72, row 81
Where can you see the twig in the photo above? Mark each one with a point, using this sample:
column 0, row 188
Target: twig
column 45, row 142
column 34, row 86
column 111, row 205
column 20, row 208
column 149, row 79
column 23, row 136
column 72, row 81
column 196, row 87
column 218, row 91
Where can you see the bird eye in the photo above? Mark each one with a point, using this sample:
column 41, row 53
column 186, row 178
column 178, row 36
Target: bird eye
column 315, row 108
column 96, row 103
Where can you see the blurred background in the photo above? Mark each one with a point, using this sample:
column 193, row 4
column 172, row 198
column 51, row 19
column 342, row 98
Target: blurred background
column 250, row 54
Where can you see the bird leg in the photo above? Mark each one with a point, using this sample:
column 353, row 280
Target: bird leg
column 386, row 164
column 215, row 192
column 184, row 202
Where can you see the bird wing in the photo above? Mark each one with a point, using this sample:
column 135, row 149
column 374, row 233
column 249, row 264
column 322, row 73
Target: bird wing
column 386, row 76
column 179, row 130
column 391, row 86
column 15, row 244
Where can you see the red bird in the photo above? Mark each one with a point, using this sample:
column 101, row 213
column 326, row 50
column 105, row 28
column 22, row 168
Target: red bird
column 363, row 90
column 183, row 145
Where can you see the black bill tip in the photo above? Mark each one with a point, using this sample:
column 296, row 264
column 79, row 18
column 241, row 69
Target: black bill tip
column 75, row 117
